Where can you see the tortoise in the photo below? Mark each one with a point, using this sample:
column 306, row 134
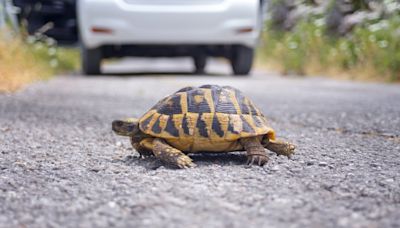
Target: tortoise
column 209, row 118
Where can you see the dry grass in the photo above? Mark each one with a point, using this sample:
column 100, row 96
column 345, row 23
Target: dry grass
column 18, row 65
column 24, row 62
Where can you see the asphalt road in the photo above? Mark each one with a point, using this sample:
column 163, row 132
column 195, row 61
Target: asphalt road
column 61, row 165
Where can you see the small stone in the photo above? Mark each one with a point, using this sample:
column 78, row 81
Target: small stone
column 11, row 194
column 112, row 204
column 35, row 146
column 309, row 163
column 374, row 165
column 344, row 222
column 116, row 171
column 323, row 164
column 161, row 167
column 146, row 221
column 274, row 168
column 355, row 215
column 119, row 144
column 4, row 129
column 95, row 169
column 295, row 170
column 389, row 180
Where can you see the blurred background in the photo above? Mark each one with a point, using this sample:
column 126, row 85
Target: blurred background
column 337, row 38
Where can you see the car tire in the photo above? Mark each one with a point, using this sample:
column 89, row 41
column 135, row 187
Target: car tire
column 200, row 62
column 241, row 60
column 90, row 60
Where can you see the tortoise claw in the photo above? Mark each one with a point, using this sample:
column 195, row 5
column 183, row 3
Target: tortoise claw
column 256, row 160
column 251, row 160
column 260, row 163
column 184, row 162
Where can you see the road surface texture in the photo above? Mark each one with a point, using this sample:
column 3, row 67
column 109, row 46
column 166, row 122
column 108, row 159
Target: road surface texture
column 62, row 166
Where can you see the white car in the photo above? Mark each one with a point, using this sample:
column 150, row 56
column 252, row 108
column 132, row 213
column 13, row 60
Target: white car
column 169, row 28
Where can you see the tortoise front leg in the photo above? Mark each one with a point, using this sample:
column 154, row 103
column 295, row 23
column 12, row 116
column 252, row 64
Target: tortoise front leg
column 143, row 147
column 255, row 151
column 280, row 147
column 171, row 155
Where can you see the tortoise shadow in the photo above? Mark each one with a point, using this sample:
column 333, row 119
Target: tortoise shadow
column 223, row 159
column 200, row 159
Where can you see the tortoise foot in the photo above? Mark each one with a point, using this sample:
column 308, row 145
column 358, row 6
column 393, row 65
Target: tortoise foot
column 184, row 162
column 257, row 159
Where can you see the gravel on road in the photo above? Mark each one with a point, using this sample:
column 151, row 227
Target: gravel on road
column 62, row 166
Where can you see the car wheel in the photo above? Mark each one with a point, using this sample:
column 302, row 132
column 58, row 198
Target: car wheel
column 90, row 60
column 241, row 60
column 200, row 62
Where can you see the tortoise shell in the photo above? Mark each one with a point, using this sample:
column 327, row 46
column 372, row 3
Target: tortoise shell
column 210, row 112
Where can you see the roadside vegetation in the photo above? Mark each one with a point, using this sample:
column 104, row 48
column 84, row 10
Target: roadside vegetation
column 25, row 59
column 350, row 39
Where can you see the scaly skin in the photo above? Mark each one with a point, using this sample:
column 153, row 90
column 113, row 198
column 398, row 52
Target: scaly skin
column 280, row 147
column 255, row 151
column 138, row 142
column 171, row 155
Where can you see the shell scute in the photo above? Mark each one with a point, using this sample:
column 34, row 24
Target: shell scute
column 209, row 111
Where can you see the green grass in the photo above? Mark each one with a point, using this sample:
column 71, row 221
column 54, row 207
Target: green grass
column 370, row 52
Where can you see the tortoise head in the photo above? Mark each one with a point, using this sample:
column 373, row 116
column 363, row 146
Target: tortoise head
column 127, row 127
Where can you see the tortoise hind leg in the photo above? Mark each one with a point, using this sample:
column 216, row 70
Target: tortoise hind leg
column 171, row 155
column 255, row 151
column 280, row 147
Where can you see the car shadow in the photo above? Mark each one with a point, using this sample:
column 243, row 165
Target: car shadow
column 139, row 74
column 161, row 74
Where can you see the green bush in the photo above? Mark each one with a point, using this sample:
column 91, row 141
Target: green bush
column 58, row 59
column 371, row 50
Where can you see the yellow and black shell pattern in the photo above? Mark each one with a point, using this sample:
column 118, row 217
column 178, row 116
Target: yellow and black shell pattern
column 210, row 112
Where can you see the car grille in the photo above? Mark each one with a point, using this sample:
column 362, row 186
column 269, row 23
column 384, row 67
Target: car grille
column 173, row 2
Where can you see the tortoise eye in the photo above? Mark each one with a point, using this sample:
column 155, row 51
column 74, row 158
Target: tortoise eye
column 118, row 123
column 130, row 128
